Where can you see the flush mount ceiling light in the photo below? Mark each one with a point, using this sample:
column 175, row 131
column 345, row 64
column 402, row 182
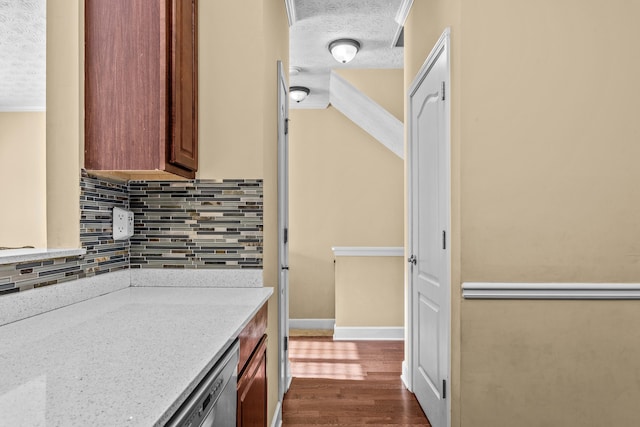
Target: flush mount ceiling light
column 298, row 93
column 344, row 50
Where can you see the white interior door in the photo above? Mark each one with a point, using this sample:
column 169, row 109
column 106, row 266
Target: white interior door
column 283, row 231
column 429, row 170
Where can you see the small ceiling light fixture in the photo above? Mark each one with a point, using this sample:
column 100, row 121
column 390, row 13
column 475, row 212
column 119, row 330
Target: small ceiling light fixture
column 298, row 93
column 344, row 50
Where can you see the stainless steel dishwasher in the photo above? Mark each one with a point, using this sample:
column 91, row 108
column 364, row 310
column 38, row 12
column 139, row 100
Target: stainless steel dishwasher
column 214, row 401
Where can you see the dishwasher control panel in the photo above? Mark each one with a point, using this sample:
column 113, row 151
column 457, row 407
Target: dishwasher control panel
column 213, row 402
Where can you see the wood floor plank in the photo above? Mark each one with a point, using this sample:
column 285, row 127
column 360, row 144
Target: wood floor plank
column 341, row 383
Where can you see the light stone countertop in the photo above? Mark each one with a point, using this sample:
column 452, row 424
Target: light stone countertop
column 11, row 256
column 128, row 358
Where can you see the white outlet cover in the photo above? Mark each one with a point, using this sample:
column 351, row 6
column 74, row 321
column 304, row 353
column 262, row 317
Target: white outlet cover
column 122, row 224
column 129, row 223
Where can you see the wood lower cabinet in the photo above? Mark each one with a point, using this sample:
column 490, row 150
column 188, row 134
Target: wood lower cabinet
column 141, row 107
column 252, row 372
column 252, row 389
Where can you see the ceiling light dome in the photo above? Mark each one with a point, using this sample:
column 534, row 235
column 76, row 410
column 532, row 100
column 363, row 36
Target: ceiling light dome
column 298, row 93
column 344, row 50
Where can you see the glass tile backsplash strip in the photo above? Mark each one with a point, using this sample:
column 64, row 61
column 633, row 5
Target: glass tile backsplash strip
column 197, row 224
column 178, row 224
column 97, row 199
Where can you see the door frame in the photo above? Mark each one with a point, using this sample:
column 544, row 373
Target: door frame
column 444, row 42
column 284, row 379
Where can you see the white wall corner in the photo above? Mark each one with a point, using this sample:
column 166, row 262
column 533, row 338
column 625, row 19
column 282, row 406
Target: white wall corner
column 367, row 114
column 291, row 11
column 367, row 333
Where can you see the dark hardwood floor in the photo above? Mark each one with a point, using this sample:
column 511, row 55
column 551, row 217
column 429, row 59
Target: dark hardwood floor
column 348, row 384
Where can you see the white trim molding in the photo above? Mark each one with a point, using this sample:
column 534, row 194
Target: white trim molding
column 368, row 250
column 405, row 376
column 291, row 11
column 276, row 421
column 401, row 18
column 313, row 324
column 27, row 109
column 366, row 113
column 565, row 291
column 403, row 11
column 368, row 333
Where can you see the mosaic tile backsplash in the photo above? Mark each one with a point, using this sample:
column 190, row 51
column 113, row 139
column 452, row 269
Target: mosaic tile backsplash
column 97, row 199
column 197, row 224
column 178, row 224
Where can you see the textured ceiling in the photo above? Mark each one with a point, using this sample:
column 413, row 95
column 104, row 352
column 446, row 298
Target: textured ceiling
column 318, row 22
column 23, row 34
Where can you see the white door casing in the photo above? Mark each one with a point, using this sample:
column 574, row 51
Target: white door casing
column 284, row 369
column 428, row 161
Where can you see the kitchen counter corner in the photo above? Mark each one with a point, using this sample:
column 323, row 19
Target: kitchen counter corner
column 130, row 357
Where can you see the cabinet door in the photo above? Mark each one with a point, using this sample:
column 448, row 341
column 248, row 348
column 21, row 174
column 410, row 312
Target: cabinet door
column 183, row 149
column 125, row 86
column 252, row 389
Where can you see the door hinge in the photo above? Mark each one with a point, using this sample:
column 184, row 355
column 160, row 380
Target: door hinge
column 444, row 389
column 443, row 91
column 286, row 343
column 444, row 239
column 412, row 260
column 285, row 236
column 286, row 126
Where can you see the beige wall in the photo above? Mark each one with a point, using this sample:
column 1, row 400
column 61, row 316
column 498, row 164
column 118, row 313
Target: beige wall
column 369, row 291
column 23, row 218
column 345, row 190
column 65, row 81
column 549, row 167
column 544, row 189
column 550, row 363
column 230, row 92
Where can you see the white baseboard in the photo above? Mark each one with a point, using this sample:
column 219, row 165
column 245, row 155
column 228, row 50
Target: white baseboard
column 382, row 333
column 276, row 421
column 405, row 376
column 312, row 323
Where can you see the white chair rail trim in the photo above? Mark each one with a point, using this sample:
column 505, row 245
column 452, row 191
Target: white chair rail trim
column 563, row 291
column 368, row 250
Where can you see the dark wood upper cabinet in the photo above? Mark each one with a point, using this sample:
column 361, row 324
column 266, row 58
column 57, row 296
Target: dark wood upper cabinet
column 141, row 86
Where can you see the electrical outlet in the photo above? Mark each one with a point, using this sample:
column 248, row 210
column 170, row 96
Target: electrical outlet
column 129, row 223
column 122, row 224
